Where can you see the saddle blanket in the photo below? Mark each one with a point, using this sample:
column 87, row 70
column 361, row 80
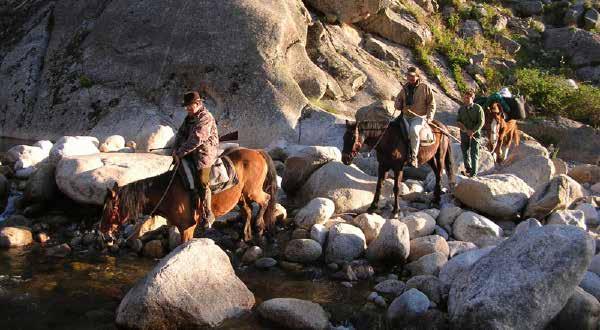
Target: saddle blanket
column 222, row 175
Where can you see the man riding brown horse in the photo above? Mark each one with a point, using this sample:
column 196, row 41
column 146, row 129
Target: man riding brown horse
column 417, row 104
column 197, row 140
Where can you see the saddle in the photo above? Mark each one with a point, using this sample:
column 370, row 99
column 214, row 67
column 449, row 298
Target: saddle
column 222, row 174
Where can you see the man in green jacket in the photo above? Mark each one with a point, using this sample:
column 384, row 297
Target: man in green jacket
column 470, row 121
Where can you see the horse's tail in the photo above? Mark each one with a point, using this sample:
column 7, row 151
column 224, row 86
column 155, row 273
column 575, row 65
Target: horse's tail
column 270, row 187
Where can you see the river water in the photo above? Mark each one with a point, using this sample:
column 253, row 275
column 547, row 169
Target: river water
column 83, row 292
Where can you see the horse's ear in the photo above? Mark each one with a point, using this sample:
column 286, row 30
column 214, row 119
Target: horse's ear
column 112, row 192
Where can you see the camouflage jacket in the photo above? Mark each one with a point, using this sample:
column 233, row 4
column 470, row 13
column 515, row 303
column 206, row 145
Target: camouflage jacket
column 198, row 137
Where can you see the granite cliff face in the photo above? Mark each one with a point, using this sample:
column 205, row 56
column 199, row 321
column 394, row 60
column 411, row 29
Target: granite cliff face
column 104, row 67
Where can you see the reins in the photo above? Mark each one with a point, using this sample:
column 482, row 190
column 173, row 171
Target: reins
column 168, row 187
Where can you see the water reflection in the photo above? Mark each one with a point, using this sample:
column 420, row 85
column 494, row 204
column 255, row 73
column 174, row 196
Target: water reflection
column 83, row 292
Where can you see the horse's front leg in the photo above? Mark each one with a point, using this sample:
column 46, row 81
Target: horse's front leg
column 381, row 175
column 397, row 179
column 498, row 149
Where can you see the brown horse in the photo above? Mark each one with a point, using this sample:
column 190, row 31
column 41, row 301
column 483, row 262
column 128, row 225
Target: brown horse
column 257, row 183
column 501, row 134
column 391, row 144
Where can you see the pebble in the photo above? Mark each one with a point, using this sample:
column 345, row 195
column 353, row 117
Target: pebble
column 380, row 301
column 347, row 284
column 372, row 296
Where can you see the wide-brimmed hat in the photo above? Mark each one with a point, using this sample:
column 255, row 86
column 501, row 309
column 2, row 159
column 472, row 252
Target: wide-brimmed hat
column 191, row 97
column 413, row 71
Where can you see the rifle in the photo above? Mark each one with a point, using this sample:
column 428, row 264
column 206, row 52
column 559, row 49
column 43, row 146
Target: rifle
column 233, row 136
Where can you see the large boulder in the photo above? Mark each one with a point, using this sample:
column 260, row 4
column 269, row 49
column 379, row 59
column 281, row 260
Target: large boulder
column 317, row 211
column 470, row 28
column 567, row 217
column 430, row 285
column 370, row 224
column 591, row 284
column 349, row 11
column 522, row 283
column 567, row 133
column 349, row 188
column 129, row 82
column 25, row 156
column 41, row 186
column 448, row 215
column 582, row 311
column 300, row 165
column 294, row 313
column 392, row 243
column 536, row 171
column 72, row 146
column 407, row 308
column 460, row 264
column 194, row 286
column 585, row 173
column 529, row 8
column 592, row 216
column 86, row 178
column 427, row 265
column 472, row 227
column 345, row 243
column 14, row 237
column 419, row 224
column 402, row 29
column 582, row 47
column 303, row 250
column 459, row 247
column 112, row 143
column 422, row 246
column 501, row 196
column 558, row 194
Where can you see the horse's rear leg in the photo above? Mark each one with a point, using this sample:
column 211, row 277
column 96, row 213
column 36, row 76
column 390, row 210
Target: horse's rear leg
column 397, row 179
column 246, row 212
column 381, row 175
column 437, row 167
column 262, row 199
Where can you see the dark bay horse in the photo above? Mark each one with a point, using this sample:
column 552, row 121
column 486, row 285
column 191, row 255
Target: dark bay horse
column 392, row 147
column 257, row 183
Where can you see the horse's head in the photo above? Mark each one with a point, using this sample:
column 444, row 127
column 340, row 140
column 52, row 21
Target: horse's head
column 352, row 142
column 111, row 216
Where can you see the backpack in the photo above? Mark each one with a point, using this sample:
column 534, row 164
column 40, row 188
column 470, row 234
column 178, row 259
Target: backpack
column 517, row 107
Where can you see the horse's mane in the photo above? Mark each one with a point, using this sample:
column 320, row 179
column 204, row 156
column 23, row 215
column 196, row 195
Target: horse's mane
column 133, row 197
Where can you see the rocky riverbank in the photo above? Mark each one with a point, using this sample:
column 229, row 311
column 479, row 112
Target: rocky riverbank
column 529, row 222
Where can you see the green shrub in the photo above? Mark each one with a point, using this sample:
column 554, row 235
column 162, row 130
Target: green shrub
column 551, row 94
column 85, row 82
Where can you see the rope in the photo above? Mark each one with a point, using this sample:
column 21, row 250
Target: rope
column 168, row 187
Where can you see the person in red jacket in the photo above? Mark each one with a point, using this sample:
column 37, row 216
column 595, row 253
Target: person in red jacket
column 198, row 140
